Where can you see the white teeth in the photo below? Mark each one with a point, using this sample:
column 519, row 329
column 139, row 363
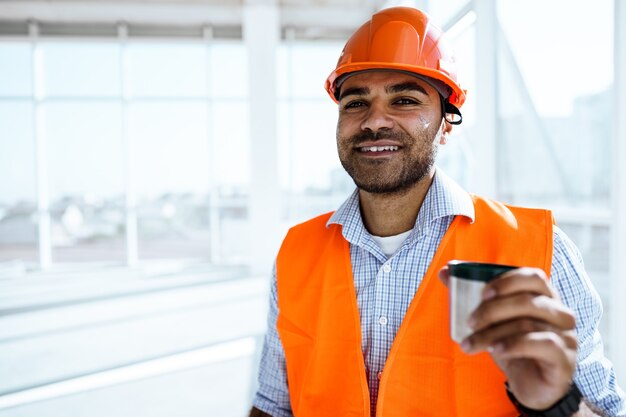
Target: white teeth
column 378, row 148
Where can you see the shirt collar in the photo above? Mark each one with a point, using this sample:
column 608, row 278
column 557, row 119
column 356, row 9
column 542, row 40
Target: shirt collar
column 444, row 198
column 348, row 216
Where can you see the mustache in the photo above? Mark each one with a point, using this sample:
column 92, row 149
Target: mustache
column 371, row 136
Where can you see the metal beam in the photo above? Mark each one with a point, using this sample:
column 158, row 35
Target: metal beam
column 178, row 14
column 330, row 17
column 113, row 12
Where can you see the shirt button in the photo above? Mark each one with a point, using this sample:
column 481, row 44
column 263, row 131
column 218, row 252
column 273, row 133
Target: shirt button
column 382, row 320
column 386, row 268
column 379, row 375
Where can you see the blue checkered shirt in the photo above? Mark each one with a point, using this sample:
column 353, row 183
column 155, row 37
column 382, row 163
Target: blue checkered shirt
column 385, row 287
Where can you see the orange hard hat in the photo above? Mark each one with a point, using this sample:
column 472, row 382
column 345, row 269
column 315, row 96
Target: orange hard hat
column 402, row 39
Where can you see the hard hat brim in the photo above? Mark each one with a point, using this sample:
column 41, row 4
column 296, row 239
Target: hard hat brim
column 456, row 97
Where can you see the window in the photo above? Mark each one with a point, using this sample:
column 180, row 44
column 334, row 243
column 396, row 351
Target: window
column 86, row 172
column 18, row 191
column 18, row 176
column 80, row 131
column 311, row 176
column 151, row 134
column 560, row 116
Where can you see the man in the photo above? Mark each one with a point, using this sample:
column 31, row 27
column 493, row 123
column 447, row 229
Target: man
column 358, row 322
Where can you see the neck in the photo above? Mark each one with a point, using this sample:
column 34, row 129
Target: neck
column 393, row 213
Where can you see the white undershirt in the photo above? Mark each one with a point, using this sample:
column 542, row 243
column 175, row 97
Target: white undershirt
column 391, row 244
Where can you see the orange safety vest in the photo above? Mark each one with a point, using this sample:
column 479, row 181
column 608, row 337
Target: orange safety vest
column 426, row 373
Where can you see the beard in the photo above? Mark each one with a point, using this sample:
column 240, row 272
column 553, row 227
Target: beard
column 412, row 163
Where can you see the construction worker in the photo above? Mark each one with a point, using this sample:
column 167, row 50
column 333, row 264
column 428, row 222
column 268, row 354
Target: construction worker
column 359, row 323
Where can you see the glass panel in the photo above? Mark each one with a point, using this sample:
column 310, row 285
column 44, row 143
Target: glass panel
column 171, row 173
column 284, row 83
column 86, row 179
column 229, row 70
column 455, row 158
column 310, row 65
column 232, row 144
column 15, row 69
column 232, row 162
column 524, row 142
column 560, row 63
column 313, row 151
column 311, row 173
column 80, row 69
column 443, row 11
column 464, row 44
column 162, row 70
column 18, row 192
column 558, row 120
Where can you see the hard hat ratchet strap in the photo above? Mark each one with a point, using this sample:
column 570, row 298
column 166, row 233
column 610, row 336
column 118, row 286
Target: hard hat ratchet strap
column 448, row 110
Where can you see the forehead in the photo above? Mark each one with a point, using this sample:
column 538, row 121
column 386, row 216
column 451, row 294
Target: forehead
column 374, row 80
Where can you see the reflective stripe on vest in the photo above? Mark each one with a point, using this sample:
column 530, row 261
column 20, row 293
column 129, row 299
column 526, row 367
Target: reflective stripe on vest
column 426, row 373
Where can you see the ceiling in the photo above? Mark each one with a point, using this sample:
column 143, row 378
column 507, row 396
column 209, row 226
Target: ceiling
column 308, row 18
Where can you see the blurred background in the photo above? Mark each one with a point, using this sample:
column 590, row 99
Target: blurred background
column 153, row 154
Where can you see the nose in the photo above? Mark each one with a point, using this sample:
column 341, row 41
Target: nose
column 376, row 119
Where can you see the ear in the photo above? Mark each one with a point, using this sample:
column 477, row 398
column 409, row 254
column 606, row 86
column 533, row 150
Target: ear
column 446, row 129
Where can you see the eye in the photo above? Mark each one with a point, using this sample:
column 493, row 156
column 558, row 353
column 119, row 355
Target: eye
column 407, row 101
column 354, row 104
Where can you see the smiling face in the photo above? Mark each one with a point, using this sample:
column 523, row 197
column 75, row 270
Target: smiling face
column 390, row 125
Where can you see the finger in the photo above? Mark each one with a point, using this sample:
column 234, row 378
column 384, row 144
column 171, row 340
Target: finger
column 487, row 338
column 549, row 358
column 519, row 280
column 549, row 348
column 569, row 336
column 444, row 275
column 522, row 305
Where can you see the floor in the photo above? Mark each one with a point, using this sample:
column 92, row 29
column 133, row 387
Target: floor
column 158, row 340
column 120, row 342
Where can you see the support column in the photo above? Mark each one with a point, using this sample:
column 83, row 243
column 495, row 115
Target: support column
column 132, row 233
column 261, row 33
column 213, row 174
column 41, row 149
column 484, row 139
column 617, row 310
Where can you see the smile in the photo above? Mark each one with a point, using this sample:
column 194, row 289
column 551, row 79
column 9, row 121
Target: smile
column 378, row 148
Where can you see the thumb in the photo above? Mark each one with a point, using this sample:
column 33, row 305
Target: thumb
column 444, row 275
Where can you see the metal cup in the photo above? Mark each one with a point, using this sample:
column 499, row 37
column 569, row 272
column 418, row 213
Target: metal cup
column 467, row 280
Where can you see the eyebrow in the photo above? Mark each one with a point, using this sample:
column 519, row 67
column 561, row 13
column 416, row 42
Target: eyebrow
column 406, row 86
column 396, row 88
column 354, row 91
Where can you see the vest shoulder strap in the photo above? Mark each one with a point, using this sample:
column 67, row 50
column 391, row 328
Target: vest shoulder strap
column 510, row 234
